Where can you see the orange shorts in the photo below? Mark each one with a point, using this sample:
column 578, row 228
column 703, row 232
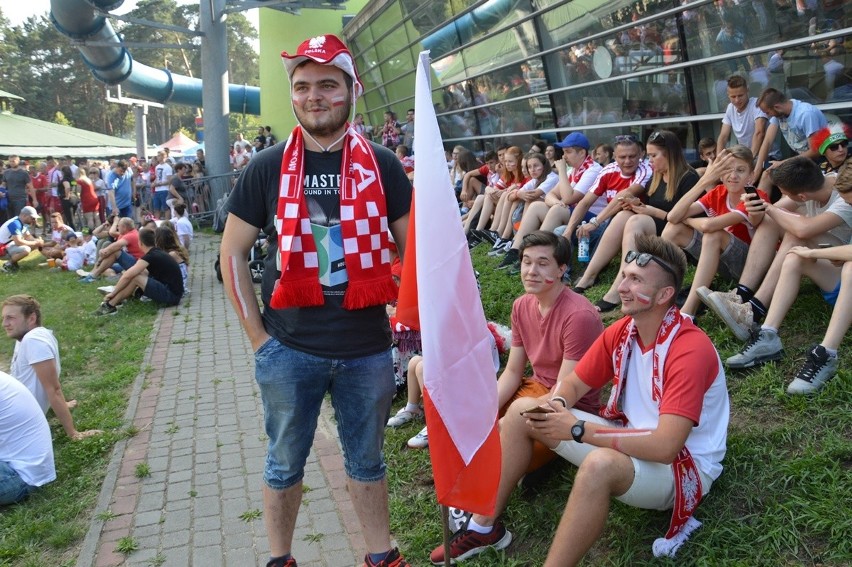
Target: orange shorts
column 529, row 388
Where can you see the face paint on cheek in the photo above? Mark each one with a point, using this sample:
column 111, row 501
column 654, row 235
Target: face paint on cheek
column 338, row 101
column 642, row 298
column 549, row 280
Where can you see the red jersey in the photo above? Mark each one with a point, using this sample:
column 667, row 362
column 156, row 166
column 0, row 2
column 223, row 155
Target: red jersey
column 715, row 203
column 611, row 181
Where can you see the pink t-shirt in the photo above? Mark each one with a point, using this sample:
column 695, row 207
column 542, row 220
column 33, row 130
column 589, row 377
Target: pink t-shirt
column 565, row 333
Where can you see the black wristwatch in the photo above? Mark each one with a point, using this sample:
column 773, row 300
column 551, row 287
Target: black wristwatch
column 578, row 430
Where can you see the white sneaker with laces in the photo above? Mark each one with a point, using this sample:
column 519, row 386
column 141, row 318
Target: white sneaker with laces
column 403, row 416
column 419, row 441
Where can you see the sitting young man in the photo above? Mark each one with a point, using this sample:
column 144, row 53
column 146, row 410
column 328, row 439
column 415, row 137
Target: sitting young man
column 124, row 232
column 552, row 328
column 665, row 423
column 156, row 274
column 811, row 213
column 831, row 270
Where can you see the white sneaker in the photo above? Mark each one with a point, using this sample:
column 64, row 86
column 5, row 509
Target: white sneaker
column 731, row 310
column 403, row 416
column 419, row 441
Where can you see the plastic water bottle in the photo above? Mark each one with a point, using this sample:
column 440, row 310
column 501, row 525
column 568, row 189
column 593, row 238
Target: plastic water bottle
column 583, row 248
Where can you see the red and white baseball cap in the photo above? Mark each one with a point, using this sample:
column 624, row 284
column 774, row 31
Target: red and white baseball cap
column 326, row 50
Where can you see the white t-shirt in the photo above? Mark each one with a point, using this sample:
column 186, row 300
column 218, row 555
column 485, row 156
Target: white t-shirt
column 37, row 346
column 742, row 123
column 162, row 173
column 25, row 441
column 549, row 183
column 75, row 258
column 183, row 227
column 90, row 250
column 841, row 234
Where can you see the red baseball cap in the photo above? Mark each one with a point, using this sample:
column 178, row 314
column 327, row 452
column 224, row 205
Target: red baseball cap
column 325, row 50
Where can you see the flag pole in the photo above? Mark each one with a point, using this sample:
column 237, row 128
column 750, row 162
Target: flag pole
column 445, row 522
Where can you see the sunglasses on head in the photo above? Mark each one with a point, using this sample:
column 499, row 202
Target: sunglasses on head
column 838, row 145
column 626, row 139
column 656, row 136
column 644, row 258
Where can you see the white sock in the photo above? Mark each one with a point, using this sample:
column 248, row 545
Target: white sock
column 832, row 352
column 471, row 525
column 768, row 328
column 412, row 407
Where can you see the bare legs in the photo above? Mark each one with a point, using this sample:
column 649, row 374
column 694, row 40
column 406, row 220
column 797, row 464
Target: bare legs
column 607, row 248
column 636, row 225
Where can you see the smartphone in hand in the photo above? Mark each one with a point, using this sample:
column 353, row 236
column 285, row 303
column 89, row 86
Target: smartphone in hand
column 538, row 409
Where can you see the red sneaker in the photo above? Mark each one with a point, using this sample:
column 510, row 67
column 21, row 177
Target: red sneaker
column 392, row 559
column 466, row 543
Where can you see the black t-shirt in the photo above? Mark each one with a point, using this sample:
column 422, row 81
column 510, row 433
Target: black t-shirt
column 165, row 270
column 658, row 199
column 328, row 330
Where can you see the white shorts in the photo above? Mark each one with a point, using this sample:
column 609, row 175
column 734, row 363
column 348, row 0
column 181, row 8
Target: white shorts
column 653, row 483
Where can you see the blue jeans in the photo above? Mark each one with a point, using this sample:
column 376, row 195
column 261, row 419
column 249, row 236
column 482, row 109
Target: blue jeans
column 292, row 386
column 12, row 487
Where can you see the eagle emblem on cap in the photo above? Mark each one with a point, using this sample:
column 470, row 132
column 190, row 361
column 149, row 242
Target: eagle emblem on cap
column 316, row 42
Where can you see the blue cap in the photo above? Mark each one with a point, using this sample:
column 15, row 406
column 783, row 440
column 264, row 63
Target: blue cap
column 575, row 140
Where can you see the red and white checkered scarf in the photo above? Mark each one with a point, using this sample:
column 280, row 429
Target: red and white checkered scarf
column 363, row 225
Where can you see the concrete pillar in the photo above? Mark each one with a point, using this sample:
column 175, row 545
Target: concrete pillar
column 140, row 113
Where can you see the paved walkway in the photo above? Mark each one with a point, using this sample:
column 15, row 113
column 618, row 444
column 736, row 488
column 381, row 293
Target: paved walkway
column 199, row 416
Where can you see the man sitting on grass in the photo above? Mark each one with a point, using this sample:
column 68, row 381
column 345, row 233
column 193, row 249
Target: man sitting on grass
column 16, row 242
column 661, row 438
column 126, row 236
column 35, row 362
column 155, row 274
column 831, row 270
column 552, row 328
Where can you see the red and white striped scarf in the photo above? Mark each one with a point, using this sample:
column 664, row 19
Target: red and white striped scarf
column 578, row 172
column 363, row 226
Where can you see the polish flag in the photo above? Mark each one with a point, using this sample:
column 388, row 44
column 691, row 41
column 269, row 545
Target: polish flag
column 460, row 394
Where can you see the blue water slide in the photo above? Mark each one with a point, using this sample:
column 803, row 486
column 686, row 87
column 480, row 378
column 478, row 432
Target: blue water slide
column 112, row 64
column 463, row 29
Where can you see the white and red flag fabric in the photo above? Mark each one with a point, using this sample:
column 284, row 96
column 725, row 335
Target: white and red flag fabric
column 439, row 296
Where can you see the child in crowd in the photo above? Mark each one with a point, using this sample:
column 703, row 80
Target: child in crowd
column 475, row 181
column 90, row 247
column 75, row 256
column 183, row 226
column 719, row 241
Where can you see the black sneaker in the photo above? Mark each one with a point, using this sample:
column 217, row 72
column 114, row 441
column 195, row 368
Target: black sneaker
column 106, row 309
column 473, row 240
column 466, row 543
column 509, row 259
column 393, row 559
column 10, row 267
column 280, row 562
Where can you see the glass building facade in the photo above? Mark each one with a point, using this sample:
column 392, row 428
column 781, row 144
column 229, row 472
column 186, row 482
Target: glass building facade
column 518, row 70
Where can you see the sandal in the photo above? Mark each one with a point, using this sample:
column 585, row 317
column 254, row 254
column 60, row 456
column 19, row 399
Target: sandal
column 604, row 306
column 582, row 290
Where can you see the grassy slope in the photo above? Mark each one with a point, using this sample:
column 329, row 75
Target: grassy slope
column 783, row 499
column 100, row 357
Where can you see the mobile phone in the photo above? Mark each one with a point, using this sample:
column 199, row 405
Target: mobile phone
column 825, row 245
column 538, row 409
column 751, row 189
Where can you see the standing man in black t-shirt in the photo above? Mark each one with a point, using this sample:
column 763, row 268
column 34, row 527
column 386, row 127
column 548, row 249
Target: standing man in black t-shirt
column 156, row 274
column 327, row 198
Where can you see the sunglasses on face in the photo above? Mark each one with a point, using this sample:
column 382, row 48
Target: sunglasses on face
column 643, row 259
column 838, row 145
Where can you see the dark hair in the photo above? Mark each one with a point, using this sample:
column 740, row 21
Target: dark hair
column 466, row 161
column 706, row 144
column 181, row 166
column 166, row 240
column 561, row 246
column 543, row 160
column 798, row 175
column 666, row 252
column 146, row 237
column 770, row 97
column 180, row 209
column 491, row 156
column 28, row 304
column 736, row 82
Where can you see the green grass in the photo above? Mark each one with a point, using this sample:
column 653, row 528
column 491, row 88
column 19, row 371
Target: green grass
column 783, row 498
column 100, row 356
